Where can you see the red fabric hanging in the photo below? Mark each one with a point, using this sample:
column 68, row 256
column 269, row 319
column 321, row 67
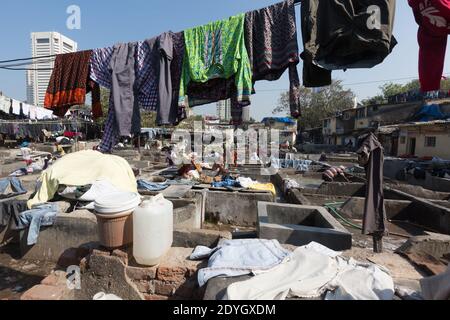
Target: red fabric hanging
column 433, row 18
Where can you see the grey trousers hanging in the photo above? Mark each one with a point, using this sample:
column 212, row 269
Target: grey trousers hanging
column 371, row 157
column 126, row 105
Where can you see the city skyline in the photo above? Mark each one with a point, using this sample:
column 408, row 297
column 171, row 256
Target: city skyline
column 45, row 44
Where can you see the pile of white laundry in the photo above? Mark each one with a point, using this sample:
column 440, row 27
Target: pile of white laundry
column 309, row 272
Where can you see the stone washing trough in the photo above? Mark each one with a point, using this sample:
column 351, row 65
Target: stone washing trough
column 299, row 225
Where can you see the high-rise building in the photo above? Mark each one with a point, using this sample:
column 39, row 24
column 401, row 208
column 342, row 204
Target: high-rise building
column 45, row 44
column 224, row 110
column 246, row 114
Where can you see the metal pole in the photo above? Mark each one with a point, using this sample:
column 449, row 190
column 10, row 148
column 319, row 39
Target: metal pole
column 377, row 243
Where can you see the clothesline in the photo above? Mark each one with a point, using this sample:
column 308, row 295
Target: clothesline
column 296, row 3
column 45, row 122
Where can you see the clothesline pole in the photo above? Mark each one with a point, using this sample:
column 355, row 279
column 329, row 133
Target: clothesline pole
column 139, row 144
column 377, row 243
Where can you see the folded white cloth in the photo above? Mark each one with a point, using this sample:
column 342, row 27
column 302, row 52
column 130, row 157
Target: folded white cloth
column 234, row 258
column 312, row 271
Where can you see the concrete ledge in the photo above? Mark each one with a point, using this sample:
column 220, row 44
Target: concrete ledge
column 191, row 238
column 235, row 208
column 426, row 213
column 354, row 208
column 300, row 225
column 71, row 230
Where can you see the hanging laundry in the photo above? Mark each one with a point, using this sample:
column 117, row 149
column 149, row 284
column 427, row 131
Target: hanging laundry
column 217, row 51
column 370, row 155
column 123, row 90
column 345, row 34
column 100, row 73
column 271, row 41
column 433, row 18
column 105, row 64
column 160, row 71
column 69, row 84
column 149, row 77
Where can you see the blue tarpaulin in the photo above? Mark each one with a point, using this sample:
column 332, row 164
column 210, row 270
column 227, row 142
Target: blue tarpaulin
column 430, row 113
column 280, row 119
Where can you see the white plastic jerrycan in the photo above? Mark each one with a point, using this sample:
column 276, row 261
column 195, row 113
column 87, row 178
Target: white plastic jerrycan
column 152, row 230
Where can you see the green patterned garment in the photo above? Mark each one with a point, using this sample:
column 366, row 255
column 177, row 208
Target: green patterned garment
column 217, row 50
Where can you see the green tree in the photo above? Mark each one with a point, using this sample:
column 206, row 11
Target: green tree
column 148, row 119
column 316, row 106
column 188, row 123
column 379, row 99
column 412, row 85
column 104, row 98
column 391, row 89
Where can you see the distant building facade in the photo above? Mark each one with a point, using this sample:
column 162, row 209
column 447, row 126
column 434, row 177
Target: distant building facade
column 224, row 110
column 45, row 44
column 397, row 126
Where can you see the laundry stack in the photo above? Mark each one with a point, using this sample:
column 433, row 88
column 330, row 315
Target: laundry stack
column 173, row 72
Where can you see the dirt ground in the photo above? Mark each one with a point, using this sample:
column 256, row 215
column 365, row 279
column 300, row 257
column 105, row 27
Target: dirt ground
column 17, row 276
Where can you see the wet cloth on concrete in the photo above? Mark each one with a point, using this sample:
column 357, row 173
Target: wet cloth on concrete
column 437, row 287
column 11, row 187
column 88, row 194
column 42, row 215
column 84, row 168
column 264, row 187
column 151, row 186
column 299, row 165
column 239, row 257
column 228, row 183
column 311, row 272
column 10, row 211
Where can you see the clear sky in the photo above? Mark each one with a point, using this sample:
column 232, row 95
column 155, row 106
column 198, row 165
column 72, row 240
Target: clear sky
column 105, row 22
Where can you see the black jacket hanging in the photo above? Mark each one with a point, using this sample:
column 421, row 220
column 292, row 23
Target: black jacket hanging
column 345, row 34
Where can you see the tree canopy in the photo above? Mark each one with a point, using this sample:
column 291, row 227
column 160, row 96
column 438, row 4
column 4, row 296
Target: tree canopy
column 317, row 105
column 390, row 89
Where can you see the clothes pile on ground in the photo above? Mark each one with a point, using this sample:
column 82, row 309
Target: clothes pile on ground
column 83, row 176
column 32, row 165
column 334, row 172
column 297, row 164
column 11, row 187
column 310, row 271
column 81, row 169
column 85, row 195
column 15, row 216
